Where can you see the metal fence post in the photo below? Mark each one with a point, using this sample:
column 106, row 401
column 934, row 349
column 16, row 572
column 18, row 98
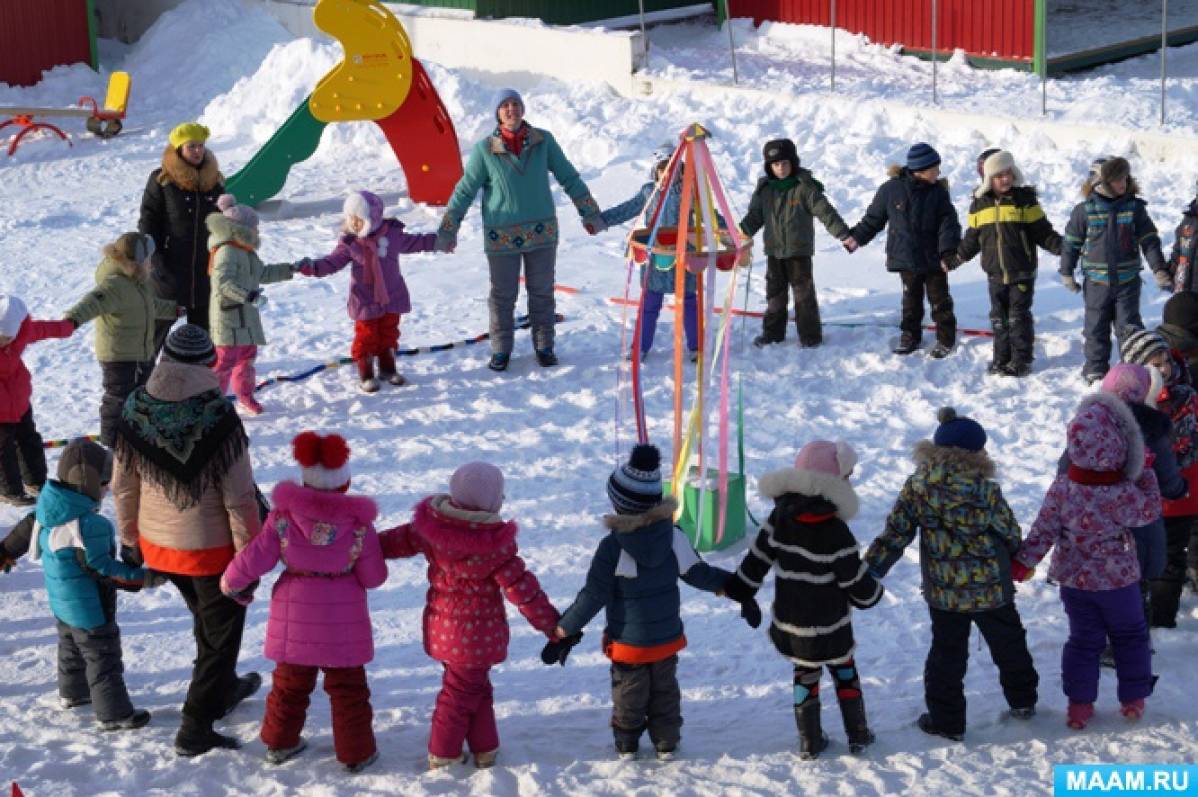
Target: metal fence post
column 731, row 40
column 833, row 46
column 644, row 37
column 935, row 31
column 1164, row 49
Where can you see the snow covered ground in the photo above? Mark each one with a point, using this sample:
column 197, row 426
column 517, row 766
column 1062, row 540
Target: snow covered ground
column 552, row 430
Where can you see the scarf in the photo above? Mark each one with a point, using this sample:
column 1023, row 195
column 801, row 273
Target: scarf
column 372, row 265
column 184, row 447
column 514, row 140
column 785, row 184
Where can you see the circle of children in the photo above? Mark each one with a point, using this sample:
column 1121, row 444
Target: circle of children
column 1120, row 519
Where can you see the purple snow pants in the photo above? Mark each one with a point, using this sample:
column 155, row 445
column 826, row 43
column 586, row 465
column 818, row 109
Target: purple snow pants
column 1093, row 616
column 690, row 319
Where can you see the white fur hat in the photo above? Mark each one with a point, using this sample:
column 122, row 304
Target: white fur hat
column 998, row 163
column 12, row 314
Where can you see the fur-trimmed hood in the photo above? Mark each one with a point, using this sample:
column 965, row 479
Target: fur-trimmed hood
column 190, row 178
column 898, row 170
column 460, row 533
column 648, row 537
column 623, row 524
column 311, row 508
column 1090, row 187
column 976, row 464
column 1095, row 444
column 838, row 491
column 223, row 229
column 113, row 263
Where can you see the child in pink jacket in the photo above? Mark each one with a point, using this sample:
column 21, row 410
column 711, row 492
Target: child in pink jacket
column 319, row 617
column 1087, row 516
column 378, row 295
column 472, row 565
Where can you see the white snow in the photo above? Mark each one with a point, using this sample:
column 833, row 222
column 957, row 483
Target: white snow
column 552, row 430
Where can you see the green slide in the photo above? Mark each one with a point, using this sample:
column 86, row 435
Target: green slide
column 265, row 174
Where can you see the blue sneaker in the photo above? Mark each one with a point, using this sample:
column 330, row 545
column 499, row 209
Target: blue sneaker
column 499, row 361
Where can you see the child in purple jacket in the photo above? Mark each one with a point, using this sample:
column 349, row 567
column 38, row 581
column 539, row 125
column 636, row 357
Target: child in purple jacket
column 1087, row 515
column 378, row 295
column 319, row 617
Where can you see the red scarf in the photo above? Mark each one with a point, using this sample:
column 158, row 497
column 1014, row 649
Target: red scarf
column 514, row 140
column 373, row 268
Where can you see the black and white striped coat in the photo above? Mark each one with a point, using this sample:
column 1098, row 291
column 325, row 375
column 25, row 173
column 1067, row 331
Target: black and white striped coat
column 817, row 566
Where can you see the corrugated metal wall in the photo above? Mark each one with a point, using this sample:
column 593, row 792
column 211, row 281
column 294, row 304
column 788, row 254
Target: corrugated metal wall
column 38, row 34
column 986, row 28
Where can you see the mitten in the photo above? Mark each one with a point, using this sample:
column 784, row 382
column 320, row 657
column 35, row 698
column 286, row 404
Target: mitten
column 1070, row 283
column 244, row 597
column 131, row 555
column 6, row 562
column 153, row 579
column 951, row 261
column 850, row 243
column 1164, row 280
column 446, row 241
column 1020, row 571
column 302, row 266
column 594, row 223
column 558, row 650
column 256, row 297
column 742, row 593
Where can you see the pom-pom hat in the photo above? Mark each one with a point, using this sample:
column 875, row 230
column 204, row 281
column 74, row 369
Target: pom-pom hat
column 239, row 214
column 324, row 459
column 635, row 487
column 958, row 431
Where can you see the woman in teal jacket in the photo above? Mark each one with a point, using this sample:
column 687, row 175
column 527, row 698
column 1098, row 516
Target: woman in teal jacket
column 511, row 167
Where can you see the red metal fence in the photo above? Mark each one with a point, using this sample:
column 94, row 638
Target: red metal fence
column 985, row 28
column 38, row 34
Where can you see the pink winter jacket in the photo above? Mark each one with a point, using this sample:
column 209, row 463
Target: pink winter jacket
column 331, row 555
column 471, row 556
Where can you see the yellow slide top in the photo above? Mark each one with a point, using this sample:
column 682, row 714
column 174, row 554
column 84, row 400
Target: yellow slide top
column 374, row 77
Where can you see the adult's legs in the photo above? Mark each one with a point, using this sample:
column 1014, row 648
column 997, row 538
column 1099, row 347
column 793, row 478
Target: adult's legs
column 505, row 286
column 539, row 268
column 217, row 624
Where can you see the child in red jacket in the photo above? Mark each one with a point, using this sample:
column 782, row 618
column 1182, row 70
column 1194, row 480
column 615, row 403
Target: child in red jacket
column 22, row 460
column 473, row 564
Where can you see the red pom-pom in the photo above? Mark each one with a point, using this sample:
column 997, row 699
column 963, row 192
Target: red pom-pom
column 306, row 449
column 334, row 451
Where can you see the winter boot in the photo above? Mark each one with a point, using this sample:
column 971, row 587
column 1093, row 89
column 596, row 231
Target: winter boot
column 546, row 358
column 196, row 737
column 249, row 405
column 499, row 360
column 440, row 762
column 1133, row 709
column 278, row 755
column 856, row 727
column 367, row 382
column 141, row 717
column 1079, row 715
column 1021, row 712
column 812, row 739
column 997, row 368
column 940, row 351
column 761, row 341
column 357, row 767
column 246, row 685
column 486, row 760
column 17, row 499
column 907, row 344
column 627, row 742
column 387, row 370
column 928, row 726
column 1018, row 369
column 74, row 702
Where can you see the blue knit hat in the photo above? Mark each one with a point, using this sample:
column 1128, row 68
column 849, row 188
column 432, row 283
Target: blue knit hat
column 502, row 96
column 958, row 432
column 921, row 156
column 635, row 488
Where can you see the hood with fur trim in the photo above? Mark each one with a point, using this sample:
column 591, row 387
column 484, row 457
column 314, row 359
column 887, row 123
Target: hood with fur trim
column 648, row 537
column 624, row 524
column 969, row 463
column 458, row 533
column 1094, row 444
column 836, row 490
column 190, row 178
column 223, row 229
column 318, row 512
column 1088, row 187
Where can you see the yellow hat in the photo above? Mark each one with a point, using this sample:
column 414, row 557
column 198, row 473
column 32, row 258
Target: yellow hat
column 188, row 131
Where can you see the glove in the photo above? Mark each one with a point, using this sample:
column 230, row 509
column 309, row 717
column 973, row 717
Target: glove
column 742, row 593
column 244, row 597
column 302, row 266
column 256, row 297
column 446, row 241
column 1070, row 283
column 6, row 562
column 1020, row 571
column 594, row 223
column 131, row 555
column 850, row 243
column 950, row 262
column 558, row 650
column 1164, row 280
column 153, row 579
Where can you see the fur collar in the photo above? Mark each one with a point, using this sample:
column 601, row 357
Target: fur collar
column 184, row 175
column 975, row 462
column 175, row 381
column 623, row 524
column 1088, row 188
column 836, row 490
column 225, row 229
column 896, row 170
column 1128, row 428
column 460, row 531
column 323, row 504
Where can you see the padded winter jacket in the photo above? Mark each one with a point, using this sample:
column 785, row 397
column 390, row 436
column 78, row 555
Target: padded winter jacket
column 967, row 532
column 77, row 550
column 392, row 242
column 517, row 207
column 1106, row 236
column 177, row 199
column 1185, row 251
column 634, row 576
column 237, row 271
column 786, row 209
column 326, row 542
column 818, row 572
column 1179, row 401
column 660, row 280
column 923, row 222
column 16, row 384
column 1007, row 230
column 124, row 303
column 473, row 564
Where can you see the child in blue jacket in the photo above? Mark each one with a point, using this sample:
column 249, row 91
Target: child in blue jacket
column 634, row 577
column 74, row 543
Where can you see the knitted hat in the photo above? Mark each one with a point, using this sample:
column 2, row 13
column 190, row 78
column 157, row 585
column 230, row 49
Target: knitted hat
column 1128, row 382
column 1103, row 436
column 502, row 96
column 190, row 344
column 921, row 156
column 85, row 467
column 12, row 314
column 663, row 153
column 239, row 214
column 780, row 149
column 477, row 485
column 986, row 153
column 1139, row 346
column 366, row 206
column 1180, row 311
column 1001, row 161
column 1114, row 169
column 958, row 431
column 188, row 131
column 636, row 486
column 823, row 456
column 324, row 459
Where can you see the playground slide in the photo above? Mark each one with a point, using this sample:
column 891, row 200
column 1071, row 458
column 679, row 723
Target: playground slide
column 422, row 136
column 266, row 173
